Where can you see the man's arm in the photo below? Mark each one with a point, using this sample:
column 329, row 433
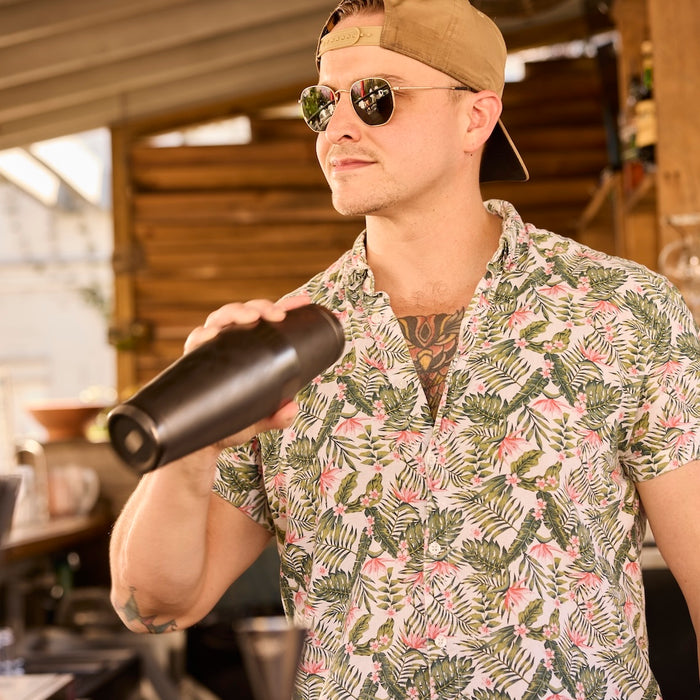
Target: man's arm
column 671, row 502
column 177, row 546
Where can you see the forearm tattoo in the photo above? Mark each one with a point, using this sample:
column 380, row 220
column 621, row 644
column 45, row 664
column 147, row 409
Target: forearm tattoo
column 130, row 612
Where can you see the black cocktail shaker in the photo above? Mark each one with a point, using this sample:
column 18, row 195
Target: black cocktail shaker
column 226, row 384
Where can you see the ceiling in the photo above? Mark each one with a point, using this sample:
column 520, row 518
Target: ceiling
column 72, row 65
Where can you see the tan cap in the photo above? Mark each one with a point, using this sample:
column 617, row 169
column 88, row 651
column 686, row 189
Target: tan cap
column 454, row 38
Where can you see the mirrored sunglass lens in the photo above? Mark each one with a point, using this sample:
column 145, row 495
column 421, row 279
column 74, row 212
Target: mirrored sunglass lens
column 317, row 106
column 373, row 100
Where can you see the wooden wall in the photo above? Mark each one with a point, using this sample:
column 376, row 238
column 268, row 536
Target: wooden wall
column 197, row 227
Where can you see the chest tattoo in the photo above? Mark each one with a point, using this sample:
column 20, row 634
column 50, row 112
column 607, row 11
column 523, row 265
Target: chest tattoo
column 432, row 341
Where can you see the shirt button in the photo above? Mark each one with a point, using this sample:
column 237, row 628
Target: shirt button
column 434, row 548
column 441, row 641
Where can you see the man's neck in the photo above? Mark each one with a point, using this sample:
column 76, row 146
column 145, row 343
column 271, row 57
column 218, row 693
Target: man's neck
column 431, row 266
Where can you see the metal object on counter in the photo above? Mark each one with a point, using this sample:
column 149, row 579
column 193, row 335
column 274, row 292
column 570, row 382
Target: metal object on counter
column 680, row 259
column 9, row 489
column 271, row 650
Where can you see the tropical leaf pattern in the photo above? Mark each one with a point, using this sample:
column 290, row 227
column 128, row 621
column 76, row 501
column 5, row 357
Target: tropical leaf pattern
column 493, row 553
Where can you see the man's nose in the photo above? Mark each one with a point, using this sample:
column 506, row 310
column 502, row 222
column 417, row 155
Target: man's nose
column 344, row 123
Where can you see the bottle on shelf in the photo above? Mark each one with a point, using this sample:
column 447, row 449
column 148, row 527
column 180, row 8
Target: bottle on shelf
column 632, row 167
column 645, row 112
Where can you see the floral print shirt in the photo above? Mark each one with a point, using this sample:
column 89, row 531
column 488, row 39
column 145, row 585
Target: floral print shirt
column 492, row 553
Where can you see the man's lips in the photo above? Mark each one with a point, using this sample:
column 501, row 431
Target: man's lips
column 347, row 163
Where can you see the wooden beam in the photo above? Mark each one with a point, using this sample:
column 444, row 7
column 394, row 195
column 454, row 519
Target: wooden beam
column 34, row 19
column 127, row 37
column 676, row 60
column 199, row 59
column 235, row 85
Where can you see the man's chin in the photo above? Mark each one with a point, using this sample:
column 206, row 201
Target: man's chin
column 348, row 207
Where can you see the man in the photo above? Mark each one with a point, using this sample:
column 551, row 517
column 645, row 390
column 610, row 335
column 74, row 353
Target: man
column 459, row 502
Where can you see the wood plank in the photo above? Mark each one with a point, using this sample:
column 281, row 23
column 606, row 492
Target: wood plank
column 151, row 31
column 556, row 87
column 573, row 113
column 143, row 155
column 565, row 163
column 236, row 207
column 676, row 60
column 33, row 19
column 188, row 294
column 543, row 193
column 293, row 236
column 238, row 88
column 226, row 51
column 556, row 138
column 222, row 176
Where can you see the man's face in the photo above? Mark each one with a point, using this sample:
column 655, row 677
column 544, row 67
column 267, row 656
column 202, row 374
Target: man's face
column 405, row 164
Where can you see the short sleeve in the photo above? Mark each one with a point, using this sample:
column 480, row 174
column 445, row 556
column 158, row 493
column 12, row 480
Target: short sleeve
column 239, row 481
column 665, row 432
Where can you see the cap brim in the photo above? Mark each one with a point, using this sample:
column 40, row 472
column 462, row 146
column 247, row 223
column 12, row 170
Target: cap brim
column 501, row 160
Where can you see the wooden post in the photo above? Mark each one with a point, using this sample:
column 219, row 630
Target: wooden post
column 675, row 29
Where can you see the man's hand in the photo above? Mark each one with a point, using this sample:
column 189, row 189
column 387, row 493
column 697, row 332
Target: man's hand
column 244, row 313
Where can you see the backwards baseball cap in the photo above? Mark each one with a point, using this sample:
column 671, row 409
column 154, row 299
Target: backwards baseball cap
column 454, row 38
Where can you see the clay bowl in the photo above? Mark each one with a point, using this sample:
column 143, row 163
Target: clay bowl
column 64, row 419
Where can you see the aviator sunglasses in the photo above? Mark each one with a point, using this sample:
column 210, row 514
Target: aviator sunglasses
column 371, row 98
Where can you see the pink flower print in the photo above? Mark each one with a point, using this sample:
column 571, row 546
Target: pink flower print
column 313, row 668
column 597, row 358
column 350, row 648
column 521, row 631
column 555, row 291
column 414, row 641
column 328, row 478
column 350, row 427
column 441, row 568
column 588, row 579
column 517, row 595
column 670, row 368
column 605, row 307
column 577, row 638
column 405, row 437
column 375, row 567
column 291, row 537
column 592, row 438
column 633, row 569
column 685, row 438
column 406, row 495
column 544, row 552
column 550, row 407
column 520, row 317
column 674, row 422
column 511, row 445
column 573, row 494
column 513, row 479
column 447, row 425
column 377, row 364
column 434, row 631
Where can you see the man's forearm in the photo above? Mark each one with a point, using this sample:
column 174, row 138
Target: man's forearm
column 158, row 548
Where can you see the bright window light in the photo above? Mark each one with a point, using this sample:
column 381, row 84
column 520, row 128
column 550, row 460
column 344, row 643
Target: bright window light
column 75, row 162
column 24, row 171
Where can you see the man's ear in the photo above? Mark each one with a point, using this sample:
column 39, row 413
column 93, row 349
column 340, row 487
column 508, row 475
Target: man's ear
column 485, row 111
